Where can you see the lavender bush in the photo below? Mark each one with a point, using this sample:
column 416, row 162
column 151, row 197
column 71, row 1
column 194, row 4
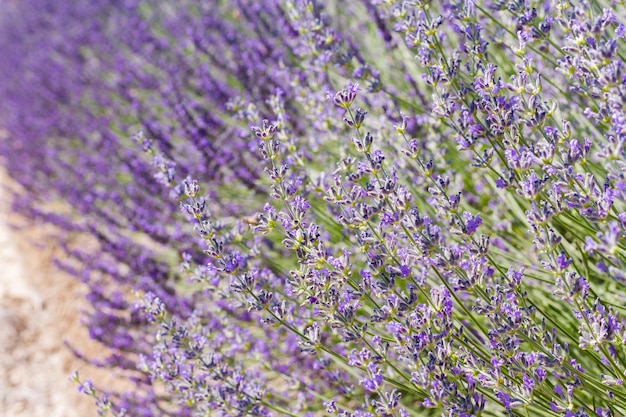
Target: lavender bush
column 364, row 208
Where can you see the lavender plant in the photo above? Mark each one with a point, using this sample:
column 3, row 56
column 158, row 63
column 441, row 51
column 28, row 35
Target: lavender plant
column 425, row 219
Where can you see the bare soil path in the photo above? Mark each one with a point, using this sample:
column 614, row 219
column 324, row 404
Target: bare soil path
column 39, row 309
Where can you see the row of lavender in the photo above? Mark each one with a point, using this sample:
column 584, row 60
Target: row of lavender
column 445, row 233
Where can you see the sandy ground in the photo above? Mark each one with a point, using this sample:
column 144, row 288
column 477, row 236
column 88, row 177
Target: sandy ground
column 39, row 309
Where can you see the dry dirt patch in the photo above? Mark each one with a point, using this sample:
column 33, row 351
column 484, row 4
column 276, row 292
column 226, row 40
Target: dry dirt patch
column 39, row 309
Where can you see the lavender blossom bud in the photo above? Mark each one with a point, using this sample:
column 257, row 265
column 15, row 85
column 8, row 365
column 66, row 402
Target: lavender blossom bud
column 191, row 187
column 345, row 97
column 266, row 131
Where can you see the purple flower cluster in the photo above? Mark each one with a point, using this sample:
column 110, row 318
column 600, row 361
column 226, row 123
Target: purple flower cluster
column 299, row 207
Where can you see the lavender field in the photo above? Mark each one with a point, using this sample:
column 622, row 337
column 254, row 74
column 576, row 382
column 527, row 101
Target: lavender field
column 326, row 207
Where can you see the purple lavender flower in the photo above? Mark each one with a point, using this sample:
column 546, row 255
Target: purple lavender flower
column 428, row 214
